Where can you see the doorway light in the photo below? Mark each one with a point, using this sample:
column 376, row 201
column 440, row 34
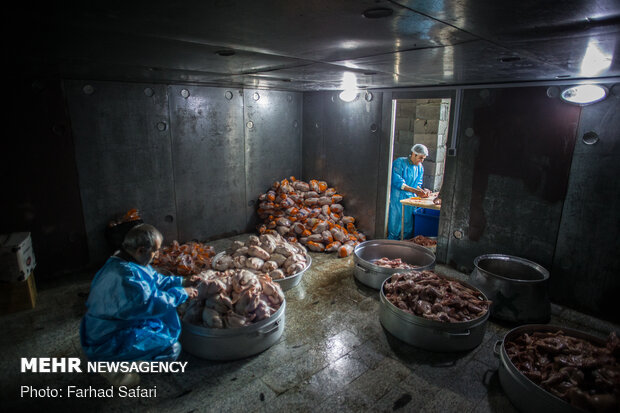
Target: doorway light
column 349, row 86
column 348, row 95
column 584, row 94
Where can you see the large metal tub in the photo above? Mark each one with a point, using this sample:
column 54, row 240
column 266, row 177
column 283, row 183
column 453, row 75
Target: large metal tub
column 517, row 287
column 233, row 343
column 373, row 275
column 430, row 334
column 526, row 395
column 292, row 281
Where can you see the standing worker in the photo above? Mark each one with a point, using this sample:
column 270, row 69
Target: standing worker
column 407, row 173
column 131, row 312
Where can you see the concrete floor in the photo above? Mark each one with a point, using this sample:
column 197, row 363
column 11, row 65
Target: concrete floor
column 333, row 356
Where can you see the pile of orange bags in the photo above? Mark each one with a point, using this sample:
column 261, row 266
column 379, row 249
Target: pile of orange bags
column 184, row 259
column 311, row 213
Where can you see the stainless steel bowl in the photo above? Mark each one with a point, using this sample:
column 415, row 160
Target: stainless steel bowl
column 233, row 343
column 517, row 287
column 430, row 334
column 292, row 281
column 373, row 275
column 526, row 395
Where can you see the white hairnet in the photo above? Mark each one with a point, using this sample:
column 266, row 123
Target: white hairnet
column 419, row 149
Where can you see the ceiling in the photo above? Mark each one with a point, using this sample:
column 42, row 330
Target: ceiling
column 309, row 45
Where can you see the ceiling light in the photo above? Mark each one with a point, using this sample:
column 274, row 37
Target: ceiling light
column 584, row 94
column 348, row 95
column 508, row 59
column 225, row 53
column 349, row 86
column 378, row 13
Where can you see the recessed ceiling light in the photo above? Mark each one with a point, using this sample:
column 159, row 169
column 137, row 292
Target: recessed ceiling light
column 584, row 94
column 508, row 59
column 348, row 95
column 377, row 13
column 225, row 53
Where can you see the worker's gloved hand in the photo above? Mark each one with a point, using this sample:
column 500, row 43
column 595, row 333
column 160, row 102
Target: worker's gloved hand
column 191, row 292
column 423, row 193
column 437, row 200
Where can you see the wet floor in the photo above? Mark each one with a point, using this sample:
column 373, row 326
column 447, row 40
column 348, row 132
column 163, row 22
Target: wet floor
column 334, row 355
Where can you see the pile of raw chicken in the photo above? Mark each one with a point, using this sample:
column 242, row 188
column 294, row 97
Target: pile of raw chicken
column 429, row 295
column 395, row 263
column 423, row 241
column 240, row 290
column 311, row 213
column 270, row 254
column 232, row 298
column 575, row 370
column 183, row 259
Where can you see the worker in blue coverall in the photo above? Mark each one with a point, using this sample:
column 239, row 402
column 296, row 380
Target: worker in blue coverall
column 407, row 173
column 131, row 312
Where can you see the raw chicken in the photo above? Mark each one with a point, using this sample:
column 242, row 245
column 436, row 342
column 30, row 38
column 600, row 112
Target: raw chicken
column 184, row 259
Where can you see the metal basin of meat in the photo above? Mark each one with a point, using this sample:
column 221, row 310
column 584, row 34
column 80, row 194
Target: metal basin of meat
column 292, row 281
column 517, row 287
column 373, row 275
column 430, row 334
column 233, row 343
column 526, row 395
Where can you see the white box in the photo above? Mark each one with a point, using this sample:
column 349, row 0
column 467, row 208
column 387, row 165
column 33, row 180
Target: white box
column 16, row 256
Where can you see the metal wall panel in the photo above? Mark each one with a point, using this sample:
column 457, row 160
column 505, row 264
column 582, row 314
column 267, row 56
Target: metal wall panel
column 514, row 152
column 122, row 146
column 273, row 123
column 313, row 139
column 351, row 146
column 586, row 263
column 208, row 159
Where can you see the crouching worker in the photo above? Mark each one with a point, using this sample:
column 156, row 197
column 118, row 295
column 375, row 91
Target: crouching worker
column 131, row 309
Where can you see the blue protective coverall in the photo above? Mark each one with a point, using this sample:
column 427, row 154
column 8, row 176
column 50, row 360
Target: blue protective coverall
column 403, row 172
column 132, row 314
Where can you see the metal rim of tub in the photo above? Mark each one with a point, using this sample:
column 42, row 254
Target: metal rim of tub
column 440, row 325
column 263, row 334
column 433, row 335
column 517, row 384
column 522, row 261
column 291, row 281
column 373, row 275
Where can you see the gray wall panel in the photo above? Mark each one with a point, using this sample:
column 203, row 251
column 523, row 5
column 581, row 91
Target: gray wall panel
column 587, row 260
column 123, row 159
column 351, row 152
column 273, row 142
column 313, row 142
column 209, row 164
column 514, row 153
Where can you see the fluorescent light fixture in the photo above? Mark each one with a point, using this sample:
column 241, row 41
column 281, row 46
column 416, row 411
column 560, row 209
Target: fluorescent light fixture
column 594, row 61
column 349, row 86
column 584, row 94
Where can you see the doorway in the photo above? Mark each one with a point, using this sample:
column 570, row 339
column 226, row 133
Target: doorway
column 420, row 121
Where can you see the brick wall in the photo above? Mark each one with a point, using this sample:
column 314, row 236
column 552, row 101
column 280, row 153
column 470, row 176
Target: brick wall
column 423, row 121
